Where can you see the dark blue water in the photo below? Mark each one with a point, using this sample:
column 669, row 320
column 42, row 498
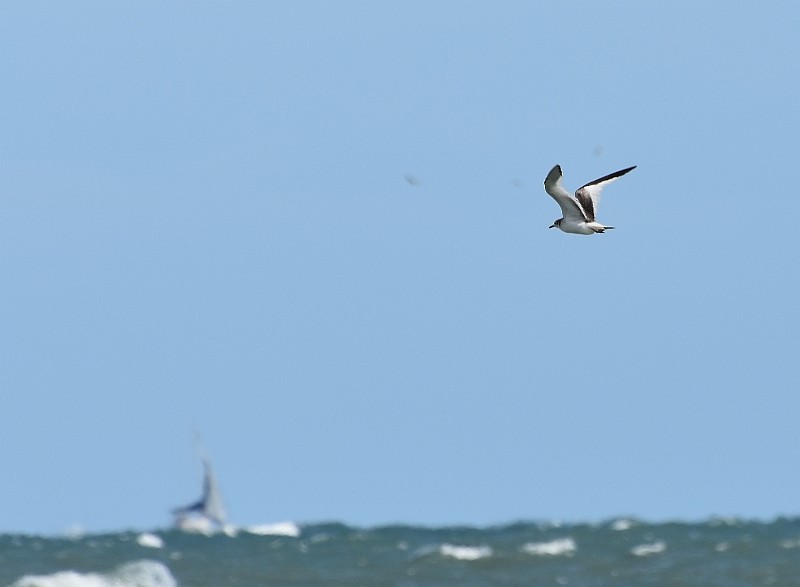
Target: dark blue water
column 727, row 553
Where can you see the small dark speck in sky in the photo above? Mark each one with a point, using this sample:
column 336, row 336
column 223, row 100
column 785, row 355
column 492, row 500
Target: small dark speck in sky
column 411, row 179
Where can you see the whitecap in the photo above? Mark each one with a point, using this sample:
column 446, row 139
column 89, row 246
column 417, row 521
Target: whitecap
column 62, row 579
column 143, row 574
column 148, row 540
column 649, row 548
column 465, row 553
column 560, row 546
column 790, row 543
column 622, row 524
column 277, row 529
column 136, row 574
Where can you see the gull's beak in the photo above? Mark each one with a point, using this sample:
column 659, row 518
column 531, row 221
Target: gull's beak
column 552, row 226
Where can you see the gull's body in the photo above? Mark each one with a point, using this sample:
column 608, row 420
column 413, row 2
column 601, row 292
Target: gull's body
column 579, row 210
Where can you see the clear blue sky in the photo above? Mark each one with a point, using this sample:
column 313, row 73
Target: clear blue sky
column 205, row 224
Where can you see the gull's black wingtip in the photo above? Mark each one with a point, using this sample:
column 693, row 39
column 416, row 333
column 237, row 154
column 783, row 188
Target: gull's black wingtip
column 610, row 176
column 621, row 172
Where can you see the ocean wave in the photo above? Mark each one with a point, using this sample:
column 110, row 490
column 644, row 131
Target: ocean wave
column 278, row 529
column 649, row 548
column 465, row 553
column 560, row 546
column 149, row 540
column 143, row 573
column 622, row 524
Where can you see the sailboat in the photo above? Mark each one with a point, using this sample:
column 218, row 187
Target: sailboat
column 206, row 515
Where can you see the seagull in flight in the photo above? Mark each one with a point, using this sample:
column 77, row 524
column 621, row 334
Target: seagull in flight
column 579, row 211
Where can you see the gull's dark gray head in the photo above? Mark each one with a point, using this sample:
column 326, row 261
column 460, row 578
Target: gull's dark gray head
column 556, row 223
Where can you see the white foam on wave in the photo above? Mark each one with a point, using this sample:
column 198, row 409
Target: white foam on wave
column 277, row 529
column 148, row 540
column 135, row 574
column 465, row 553
column 558, row 547
column 649, row 548
column 204, row 526
column 622, row 524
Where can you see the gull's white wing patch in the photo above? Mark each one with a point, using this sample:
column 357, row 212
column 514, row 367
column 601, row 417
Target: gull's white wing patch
column 570, row 207
column 589, row 195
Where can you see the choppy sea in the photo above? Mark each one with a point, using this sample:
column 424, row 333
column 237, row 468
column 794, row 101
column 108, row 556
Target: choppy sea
column 716, row 552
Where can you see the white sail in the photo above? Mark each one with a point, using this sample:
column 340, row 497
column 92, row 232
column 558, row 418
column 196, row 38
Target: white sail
column 208, row 512
column 213, row 507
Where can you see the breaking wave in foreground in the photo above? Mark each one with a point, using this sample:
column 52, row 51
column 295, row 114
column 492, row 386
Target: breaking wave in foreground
column 144, row 573
column 712, row 553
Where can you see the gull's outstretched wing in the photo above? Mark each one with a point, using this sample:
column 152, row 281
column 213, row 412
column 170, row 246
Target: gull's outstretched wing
column 589, row 195
column 570, row 207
